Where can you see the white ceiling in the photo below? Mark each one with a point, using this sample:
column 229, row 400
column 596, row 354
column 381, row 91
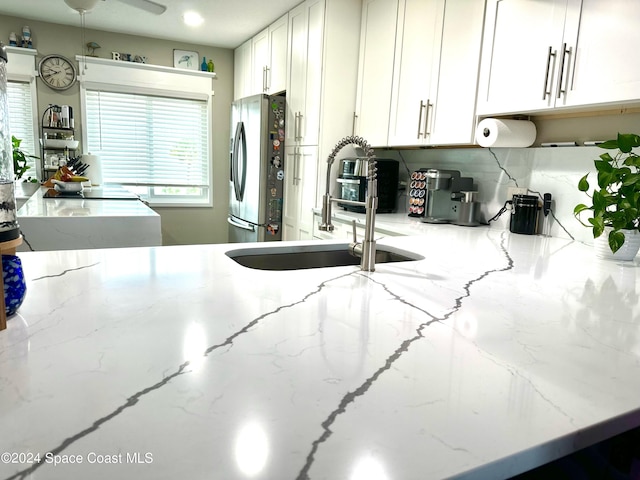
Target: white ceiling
column 227, row 23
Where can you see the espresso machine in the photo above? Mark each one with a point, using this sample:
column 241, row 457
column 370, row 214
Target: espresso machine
column 443, row 196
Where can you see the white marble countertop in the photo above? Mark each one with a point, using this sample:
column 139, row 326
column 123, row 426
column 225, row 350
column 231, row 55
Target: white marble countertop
column 78, row 223
column 496, row 353
column 61, row 207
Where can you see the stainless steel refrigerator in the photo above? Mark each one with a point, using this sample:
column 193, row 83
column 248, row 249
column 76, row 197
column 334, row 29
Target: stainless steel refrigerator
column 256, row 169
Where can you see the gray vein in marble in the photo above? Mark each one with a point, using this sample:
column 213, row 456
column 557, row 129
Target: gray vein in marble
column 502, row 168
column 181, row 370
column 64, row 272
column 360, row 391
column 24, row 239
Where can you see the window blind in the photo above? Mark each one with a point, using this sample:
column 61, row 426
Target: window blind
column 21, row 120
column 149, row 140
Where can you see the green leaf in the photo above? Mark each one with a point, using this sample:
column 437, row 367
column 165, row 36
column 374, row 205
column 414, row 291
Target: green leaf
column 603, row 165
column 626, row 141
column 631, row 179
column 606, row 158
column 616, row 240
column 581, row 207
column 609, row 144
column 605, row 178
column 599, row 201
column 598, row 226
column 583, row 184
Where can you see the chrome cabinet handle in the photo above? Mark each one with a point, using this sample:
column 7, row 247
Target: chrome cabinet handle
column 296, row 160
column 420, row 120
column 299, row 126
column 565, row 53
column 426, row 119
column 546, row 90
column 267, row 79
column 264, row 78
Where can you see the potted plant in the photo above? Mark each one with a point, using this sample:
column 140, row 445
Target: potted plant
column 20, row 166
column 615, row 202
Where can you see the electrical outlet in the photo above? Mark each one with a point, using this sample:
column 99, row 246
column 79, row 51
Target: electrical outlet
column 511, row 191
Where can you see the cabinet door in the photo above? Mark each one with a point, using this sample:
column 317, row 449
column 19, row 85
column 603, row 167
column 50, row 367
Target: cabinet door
column 276, row 77
column 605, row 65
column 298, row 27
column 417, row 52
column 291, row 208
column 242, row 76
column 375, row 71
column 301, row 166
column 306, row 26
column 453, row 116
column 260, row 61
column 521, row 55
column 308, row 173
column 310, row 121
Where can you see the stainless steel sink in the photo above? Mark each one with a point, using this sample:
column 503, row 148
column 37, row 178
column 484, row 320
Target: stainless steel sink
column 319, row 255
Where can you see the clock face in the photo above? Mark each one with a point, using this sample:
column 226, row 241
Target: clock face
column 57, row 72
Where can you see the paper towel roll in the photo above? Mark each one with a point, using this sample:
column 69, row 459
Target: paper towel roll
column 495, row 132
column 94, row 171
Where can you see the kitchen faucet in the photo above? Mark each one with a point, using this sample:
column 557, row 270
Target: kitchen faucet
column 367, row 249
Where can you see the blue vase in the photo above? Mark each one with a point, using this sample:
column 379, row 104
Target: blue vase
column 15, row 288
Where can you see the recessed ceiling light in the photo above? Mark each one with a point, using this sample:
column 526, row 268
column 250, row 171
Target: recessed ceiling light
column 193, row 19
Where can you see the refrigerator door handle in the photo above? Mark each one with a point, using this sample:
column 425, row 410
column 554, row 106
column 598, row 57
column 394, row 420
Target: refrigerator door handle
column 239, row 141
column 243, row 140
column 240, row 224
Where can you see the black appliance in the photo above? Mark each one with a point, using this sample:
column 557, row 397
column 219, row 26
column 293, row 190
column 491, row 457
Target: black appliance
column 524, row 214
column 353, row 183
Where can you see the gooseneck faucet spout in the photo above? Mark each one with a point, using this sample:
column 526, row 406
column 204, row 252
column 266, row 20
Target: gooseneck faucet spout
column 367, row 249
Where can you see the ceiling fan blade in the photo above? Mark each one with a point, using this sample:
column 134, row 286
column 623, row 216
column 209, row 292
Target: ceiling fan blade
column 148, row 5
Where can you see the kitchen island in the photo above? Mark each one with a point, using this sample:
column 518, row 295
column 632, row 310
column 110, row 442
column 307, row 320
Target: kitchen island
column 492, row 355
column 76, row 222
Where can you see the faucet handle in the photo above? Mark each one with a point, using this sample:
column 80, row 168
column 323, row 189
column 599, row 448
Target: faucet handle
column 353, row 226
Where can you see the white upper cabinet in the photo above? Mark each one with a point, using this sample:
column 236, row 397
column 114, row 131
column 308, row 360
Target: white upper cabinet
column 260, row 64
column 242, row 71
column 415, row 79
column 453, row 120
column 604, row 65
column 419, row 63
column 259, row 61
column 522, row 55
column 276, row 71
column 568, row 53
column 375, row 72
column 306, row 23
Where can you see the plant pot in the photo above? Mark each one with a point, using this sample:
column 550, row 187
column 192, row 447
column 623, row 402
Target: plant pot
column 627, row 251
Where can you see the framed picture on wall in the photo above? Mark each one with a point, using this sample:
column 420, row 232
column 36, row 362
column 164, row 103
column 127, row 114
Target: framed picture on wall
column 186, row 59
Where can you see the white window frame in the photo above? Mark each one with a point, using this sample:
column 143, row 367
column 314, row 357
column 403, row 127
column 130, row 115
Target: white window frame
column 21, row 68
column 154, row 80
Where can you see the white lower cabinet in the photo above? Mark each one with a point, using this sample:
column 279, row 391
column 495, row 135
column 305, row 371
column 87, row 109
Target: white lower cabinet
column 300, row 177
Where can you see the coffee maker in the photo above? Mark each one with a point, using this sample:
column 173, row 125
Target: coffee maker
column 437, row 196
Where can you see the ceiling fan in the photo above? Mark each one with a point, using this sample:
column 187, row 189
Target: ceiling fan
column 150, row 6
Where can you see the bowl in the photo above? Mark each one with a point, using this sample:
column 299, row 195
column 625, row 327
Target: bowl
column 56, row 143
column 67, row 187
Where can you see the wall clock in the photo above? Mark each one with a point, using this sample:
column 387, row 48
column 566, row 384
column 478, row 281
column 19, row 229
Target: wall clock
column 57, row 72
